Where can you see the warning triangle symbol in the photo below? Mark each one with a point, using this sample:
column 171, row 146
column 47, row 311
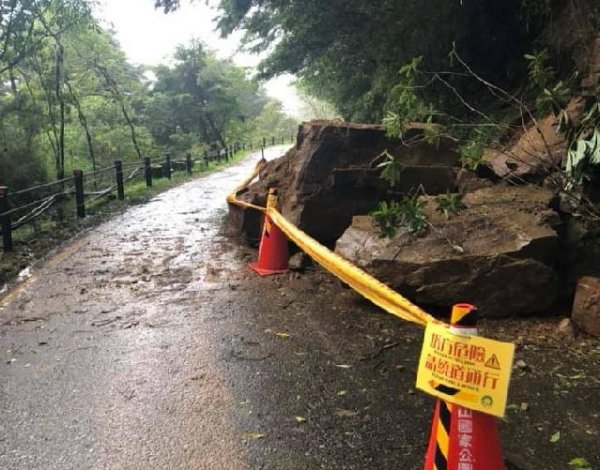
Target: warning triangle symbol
column 493, row 362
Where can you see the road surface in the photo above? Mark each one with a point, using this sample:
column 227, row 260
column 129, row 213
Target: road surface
column 146, row 343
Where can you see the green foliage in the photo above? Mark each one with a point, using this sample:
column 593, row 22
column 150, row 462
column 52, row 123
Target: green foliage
column 69, row 98
column 450, row 204
column 471, row 154
column 349, row 52
column 272, row 121
column 408, row 214
column 392, row 169
column 552, row 95
column 404, row 105
column 412, row 215
column 583, row 139
column 480, row 135
column 201, row 98
column 387, row 218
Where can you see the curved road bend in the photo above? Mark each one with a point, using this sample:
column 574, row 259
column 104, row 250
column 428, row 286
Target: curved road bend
column 147, row 344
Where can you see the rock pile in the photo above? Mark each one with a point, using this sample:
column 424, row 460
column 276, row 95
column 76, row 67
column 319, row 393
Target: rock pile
column 331, row 175
column 510, row 250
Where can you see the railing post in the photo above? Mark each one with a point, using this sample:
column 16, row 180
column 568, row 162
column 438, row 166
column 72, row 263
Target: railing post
column 188, row 163
column 264, row 142
column 148, row 172
column 119, row 179
column 206, row 161
column 273, row 140
column 168, row 164
column 250, row 145
column 5, row 220
column 262, row 153
column 79, row 195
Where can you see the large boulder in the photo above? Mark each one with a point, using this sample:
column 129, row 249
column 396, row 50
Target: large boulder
column 590, row 60
column 499, row 253
column 534, row 153
column 331, row 175
column 586, row 308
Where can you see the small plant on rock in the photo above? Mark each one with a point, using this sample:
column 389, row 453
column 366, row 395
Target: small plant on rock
column 412, row 215
column 407, row 213
column 450, row 204
column 386, row 217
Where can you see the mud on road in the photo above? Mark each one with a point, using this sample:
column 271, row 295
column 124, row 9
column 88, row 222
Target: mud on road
column 147, row 343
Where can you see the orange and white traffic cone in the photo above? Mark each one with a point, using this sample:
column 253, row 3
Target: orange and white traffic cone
column 273, row 253
column 463, row 439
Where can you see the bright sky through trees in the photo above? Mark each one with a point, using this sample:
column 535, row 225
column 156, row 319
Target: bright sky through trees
column 148, row 36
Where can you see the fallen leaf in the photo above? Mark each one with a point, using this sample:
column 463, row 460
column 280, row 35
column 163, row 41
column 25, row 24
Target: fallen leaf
column 300, row 419
column 555, row 437
column 580, row 463
column 521, row 364
column 346, row 413
column 343, row 366
column 282, row 335
column 458, row 249
column 252, row 436
column 341, row 393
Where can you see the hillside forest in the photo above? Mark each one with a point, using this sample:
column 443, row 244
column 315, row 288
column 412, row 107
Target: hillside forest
column 477, row 72
column 69, row 98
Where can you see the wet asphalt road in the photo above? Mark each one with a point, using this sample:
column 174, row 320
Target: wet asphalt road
column 146, row 343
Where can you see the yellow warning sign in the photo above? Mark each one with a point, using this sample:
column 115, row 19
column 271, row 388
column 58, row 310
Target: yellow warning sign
column 470, row 371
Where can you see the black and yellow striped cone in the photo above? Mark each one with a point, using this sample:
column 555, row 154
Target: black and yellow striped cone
column 463, row 439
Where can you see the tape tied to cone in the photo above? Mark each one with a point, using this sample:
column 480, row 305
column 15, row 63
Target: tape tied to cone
column 273, row 252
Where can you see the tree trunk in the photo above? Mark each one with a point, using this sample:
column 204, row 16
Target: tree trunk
column 60, row 160
column 114, row 88
column 84, row 125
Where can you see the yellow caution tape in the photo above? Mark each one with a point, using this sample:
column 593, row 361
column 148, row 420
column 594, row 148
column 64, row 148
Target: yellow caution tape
column 362, row 282
column 246, row 182
column 232, row 199
column 359, row 280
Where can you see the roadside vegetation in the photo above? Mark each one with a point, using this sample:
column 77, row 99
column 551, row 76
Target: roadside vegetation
column 69, row 99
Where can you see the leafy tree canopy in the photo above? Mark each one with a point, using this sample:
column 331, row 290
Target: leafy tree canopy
column 349, row 52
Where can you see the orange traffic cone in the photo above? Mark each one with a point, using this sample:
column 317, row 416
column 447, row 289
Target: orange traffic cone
column 463, row 439
column 273, row 251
